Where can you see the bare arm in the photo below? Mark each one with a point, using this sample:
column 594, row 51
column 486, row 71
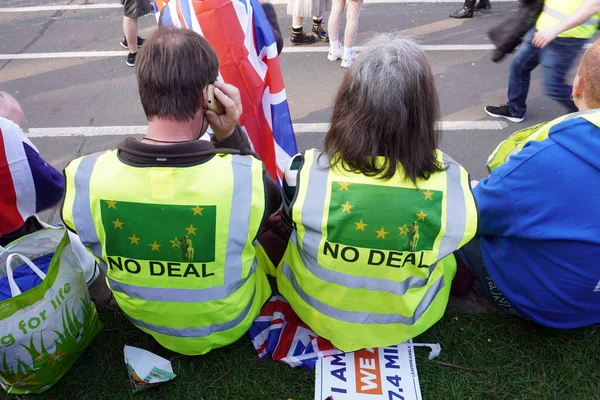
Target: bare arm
column 583, row 13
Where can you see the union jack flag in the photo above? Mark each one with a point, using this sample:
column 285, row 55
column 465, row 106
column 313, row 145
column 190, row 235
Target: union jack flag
column 243, row 39
column 278, row 333
column 27, row 183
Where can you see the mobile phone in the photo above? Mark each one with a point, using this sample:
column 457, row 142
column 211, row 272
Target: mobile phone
column 213, row 104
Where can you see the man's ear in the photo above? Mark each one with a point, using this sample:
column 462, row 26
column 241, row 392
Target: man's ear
column 204, row 101
column 578, row 86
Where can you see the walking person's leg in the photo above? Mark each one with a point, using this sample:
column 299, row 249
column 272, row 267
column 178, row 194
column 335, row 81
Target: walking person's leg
column 130, row 30
column 317, row 29
column 557, row 58
column 483, row 5
column 525, row 61
column 298, row 35
column 132, row 10
column 352, row 17
column 466, row 11
column 335, row 49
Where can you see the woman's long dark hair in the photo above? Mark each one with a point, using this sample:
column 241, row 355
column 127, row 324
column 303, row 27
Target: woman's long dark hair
column 387, row 105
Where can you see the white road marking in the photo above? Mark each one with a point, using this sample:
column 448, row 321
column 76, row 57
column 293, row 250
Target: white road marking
column 426, row 47
column 68, row 54
column 64, row 7
column 299, row 128
column 75, row 7
column 290, row 49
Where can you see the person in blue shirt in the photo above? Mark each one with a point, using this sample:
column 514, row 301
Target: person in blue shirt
column 537, row 253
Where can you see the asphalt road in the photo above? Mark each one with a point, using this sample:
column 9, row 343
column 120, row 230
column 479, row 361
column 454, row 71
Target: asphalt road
column 101, row 91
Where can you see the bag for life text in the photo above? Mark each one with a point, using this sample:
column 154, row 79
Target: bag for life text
column 44, row 329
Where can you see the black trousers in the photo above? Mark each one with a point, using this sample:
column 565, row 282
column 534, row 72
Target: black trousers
column 31, row 225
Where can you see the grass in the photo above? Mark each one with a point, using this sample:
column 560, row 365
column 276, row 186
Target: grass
column 484, row 356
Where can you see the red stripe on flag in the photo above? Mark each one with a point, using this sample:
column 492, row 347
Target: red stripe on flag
column 274, row 76
column 220, row 26
column 10, row 217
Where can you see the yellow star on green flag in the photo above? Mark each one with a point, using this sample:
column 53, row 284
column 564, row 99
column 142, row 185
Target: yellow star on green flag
column 160, row 232
column 384, row 217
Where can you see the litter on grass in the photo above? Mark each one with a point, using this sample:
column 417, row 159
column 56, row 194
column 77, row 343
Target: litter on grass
column 146, row 369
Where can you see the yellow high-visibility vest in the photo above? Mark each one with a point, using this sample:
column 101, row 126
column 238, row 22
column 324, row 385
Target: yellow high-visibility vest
column 556, row 11
column 370, row 263
column 515, row 142
column 176, row 243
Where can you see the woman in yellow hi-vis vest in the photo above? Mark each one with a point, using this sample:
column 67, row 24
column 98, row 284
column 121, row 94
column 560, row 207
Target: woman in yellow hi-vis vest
column 561, row 31
column 172, row 219
column 376, row 216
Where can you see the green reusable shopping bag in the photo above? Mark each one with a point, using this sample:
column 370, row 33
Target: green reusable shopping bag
column 45, row 329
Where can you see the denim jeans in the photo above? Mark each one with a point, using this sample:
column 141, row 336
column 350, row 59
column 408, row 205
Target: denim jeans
column 556, row 58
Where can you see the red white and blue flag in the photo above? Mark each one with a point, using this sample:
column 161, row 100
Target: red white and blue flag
column 17, row 186
column 27, row 183
column 243, row 39
column 278, row 333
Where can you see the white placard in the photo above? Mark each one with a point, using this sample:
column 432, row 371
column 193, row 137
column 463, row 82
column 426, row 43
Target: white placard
column 370, row 374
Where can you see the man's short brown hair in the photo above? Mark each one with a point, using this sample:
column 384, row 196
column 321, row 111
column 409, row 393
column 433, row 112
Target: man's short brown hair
column 589, row 70
column 173, row 67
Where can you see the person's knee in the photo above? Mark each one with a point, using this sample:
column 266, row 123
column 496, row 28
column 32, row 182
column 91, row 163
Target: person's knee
column 517, row 66
column 557, row 90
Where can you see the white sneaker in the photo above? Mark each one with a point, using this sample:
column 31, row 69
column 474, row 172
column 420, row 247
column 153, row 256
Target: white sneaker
column 335, row 54
column 348, row 58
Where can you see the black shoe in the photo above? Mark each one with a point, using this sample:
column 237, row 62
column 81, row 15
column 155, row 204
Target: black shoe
column 131, row 59
column 483, row 5
column 466, row 11
column 462, row 13
column 502, row 111
column 140, row 42
column 299, row 37
column 318, row 32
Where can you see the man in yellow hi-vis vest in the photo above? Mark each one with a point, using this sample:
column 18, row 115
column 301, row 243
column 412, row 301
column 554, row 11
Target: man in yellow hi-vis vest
column 171, row 218
column 539, row 237
column 562, row 29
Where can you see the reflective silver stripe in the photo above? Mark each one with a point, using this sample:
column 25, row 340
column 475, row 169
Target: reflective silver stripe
column 196, row 332
column 181, row 295
column 313, row 208
column 361, row 317
column 312, row 216
column 239, row 221
column 594, row 21
column 456, row 209
column 82, row 213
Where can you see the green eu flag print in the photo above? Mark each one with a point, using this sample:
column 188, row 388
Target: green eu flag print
column 384, row 217
column 159, row 232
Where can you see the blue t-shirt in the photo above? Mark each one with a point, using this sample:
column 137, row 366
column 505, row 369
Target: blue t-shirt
column 540, row 227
